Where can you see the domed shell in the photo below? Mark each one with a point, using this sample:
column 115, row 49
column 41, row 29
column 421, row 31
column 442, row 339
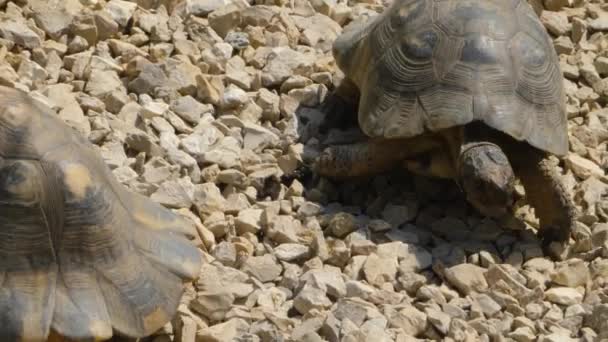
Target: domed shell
column 426, row 65
column 80, row 256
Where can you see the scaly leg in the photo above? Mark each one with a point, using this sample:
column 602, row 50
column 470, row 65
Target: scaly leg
column 368, row 157
column 547, row 193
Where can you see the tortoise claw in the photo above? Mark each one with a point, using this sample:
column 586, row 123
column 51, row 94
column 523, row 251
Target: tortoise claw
column 554, row 241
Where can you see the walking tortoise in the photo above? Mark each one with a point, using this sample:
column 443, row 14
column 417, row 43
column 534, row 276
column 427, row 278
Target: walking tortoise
column 469, row 90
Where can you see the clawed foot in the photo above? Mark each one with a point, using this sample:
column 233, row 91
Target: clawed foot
column 554, row 241
column 303, row 173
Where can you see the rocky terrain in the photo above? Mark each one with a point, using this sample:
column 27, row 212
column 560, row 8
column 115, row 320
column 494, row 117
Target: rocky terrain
column 206, row 106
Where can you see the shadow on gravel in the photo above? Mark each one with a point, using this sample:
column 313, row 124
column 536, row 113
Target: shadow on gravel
column 428, row 213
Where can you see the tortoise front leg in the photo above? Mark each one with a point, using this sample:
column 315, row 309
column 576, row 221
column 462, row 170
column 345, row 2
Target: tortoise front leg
column 546, row 192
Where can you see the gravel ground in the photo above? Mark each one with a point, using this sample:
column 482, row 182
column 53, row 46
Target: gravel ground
column 206, row 106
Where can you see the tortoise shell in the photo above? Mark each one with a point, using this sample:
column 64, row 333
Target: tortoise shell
column 426, row 65
column 79, row 254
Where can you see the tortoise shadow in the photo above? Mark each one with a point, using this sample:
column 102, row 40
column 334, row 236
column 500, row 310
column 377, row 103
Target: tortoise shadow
column 427, row 213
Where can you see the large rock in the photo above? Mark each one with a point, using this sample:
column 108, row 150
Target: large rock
column 121, row 11
column 55, row 21
column 201, row 8
column 467, row 278
column 265, row 268
column 19, row 33
column 282, row 62
column 226, row 331
column 69, row 109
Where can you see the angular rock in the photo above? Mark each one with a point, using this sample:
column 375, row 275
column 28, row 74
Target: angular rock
column 150, row 78
column 102, row 82
column 328, row 278
column 309, row 298
column 281, row 63
column 257, row 137
column 571, row 273
column 70, row 110
column 201, row 8
column 121, row 11
column 439, row 320
column 214, row 306
column 19, row 33
column 189, row 109
column 582, row 167
column 225, row 252
column 175, row 193
column 342, row 224
column 380, row 270
column 598, row 320
column 415, row 259
column 291, row 252
column 354, row 310
column 217, row 278
column 411, row 320
column 264, row 268
column 555, row 22
column 226, row 331
column 249, row 220
column 467, row 278
column 208, row 198
column 563, row 295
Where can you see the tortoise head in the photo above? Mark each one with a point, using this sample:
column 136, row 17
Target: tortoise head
column 487, row 178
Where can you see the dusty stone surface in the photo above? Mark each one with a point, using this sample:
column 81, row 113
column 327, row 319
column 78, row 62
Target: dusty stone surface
column 209, row 107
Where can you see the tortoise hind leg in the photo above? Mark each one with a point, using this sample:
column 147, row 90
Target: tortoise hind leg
column 547, row 193
column 369, row 157
column 357, row 159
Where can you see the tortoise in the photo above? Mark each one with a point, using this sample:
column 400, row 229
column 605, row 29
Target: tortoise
column 469, row 90
column 81, row 257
